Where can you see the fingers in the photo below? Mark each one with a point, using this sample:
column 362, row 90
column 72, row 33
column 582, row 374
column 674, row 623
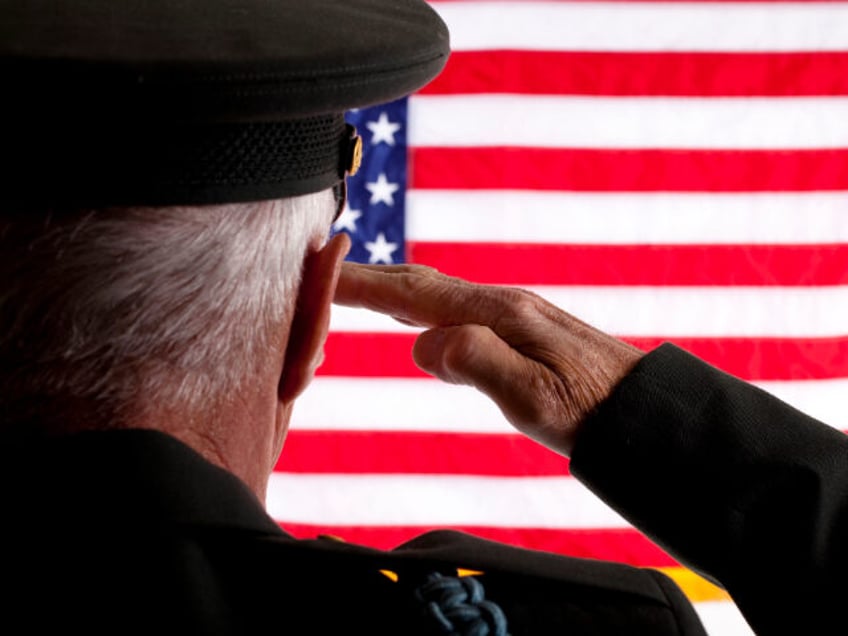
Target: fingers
column 418, row 295
column 527, row 393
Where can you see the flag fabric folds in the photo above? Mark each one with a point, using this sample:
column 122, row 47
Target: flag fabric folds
column 664, row 170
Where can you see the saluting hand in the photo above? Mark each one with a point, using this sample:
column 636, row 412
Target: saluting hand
column 544, row 368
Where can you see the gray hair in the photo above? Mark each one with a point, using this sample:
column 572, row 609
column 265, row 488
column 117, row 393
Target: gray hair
column 103, row 311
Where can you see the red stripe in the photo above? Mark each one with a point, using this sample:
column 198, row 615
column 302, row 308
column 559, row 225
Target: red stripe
column 806, row 73
column 389, row 355
column 418, row 453
column 623, row 545
column 756, row 359
column 662, row 265
column 593, row 170
column 412, row 452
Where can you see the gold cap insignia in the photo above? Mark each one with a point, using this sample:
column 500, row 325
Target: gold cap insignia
column 355, row 155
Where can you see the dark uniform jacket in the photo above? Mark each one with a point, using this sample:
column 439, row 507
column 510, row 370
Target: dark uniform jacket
column 735, row 483
column 131, row 532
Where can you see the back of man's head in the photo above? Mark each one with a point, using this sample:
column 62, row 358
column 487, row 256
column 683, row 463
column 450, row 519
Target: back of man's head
column 174, row 164
column 110, row 315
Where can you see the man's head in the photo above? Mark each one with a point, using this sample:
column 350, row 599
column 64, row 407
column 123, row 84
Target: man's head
column 163, row 228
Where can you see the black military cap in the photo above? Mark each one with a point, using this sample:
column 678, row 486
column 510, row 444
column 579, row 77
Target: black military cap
column 160, row 102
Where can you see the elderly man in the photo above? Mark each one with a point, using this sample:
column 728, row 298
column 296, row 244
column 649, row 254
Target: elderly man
column 174, row 169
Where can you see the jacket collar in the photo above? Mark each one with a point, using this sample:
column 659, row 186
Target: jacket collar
column 138, row 477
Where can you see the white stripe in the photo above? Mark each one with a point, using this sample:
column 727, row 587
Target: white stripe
column 437, row 500
column 673, row 311
column 628, row 122
column 411, row 404
column 626, row 217
column 396, row 404
column 707, row 312
column 646, row 26
column 822, row 399
column 722, row 618
column 363, row 320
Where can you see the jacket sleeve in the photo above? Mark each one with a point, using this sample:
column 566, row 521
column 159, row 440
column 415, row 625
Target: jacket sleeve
column 734, row 483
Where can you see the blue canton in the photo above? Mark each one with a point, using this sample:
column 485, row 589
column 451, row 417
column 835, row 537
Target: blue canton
column 374, row 217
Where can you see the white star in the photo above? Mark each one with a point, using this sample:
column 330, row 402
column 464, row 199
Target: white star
column 383, row 130
column 381, row 250
column 382, row 191
column 347, row 220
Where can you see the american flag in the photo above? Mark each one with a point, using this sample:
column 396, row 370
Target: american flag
column 664, row 170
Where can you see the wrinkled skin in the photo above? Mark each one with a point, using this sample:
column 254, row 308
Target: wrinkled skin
column 543, row 367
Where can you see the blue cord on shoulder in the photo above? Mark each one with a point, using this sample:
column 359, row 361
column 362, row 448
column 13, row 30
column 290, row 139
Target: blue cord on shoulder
column 459, row 607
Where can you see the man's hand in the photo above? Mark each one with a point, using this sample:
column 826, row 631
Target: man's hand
column 545, row 369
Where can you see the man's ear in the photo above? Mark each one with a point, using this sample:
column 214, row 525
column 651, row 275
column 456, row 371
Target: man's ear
column 311, row 322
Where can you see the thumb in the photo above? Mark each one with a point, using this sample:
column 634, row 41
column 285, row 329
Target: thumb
column 474, row 355
column 466, row 354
